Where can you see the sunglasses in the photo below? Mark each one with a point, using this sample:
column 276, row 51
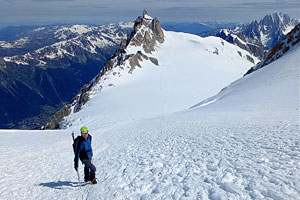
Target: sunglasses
column 85, row 133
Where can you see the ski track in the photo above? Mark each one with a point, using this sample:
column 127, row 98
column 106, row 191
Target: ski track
column 184, row 160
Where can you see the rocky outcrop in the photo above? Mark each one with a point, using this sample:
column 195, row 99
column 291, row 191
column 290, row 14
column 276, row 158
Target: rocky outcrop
column 147, row 34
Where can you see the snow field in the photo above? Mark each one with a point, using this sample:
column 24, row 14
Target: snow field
column 166, row 159
column 171, row 157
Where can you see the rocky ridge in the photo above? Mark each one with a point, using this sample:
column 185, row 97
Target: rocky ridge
column 147, row 34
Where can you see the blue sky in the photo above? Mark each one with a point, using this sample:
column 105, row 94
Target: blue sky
column 30, row 12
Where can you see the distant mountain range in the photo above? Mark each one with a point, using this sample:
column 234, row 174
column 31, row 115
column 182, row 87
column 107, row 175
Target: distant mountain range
column 45, row 67
column 258, row 37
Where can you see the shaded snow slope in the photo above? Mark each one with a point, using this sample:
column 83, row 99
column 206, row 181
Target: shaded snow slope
column 189, row 68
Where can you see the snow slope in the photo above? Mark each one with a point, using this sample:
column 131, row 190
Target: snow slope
column 189, row 68
column 273, row 86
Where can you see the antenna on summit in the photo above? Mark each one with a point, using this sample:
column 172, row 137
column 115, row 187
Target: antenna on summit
column 146, row 15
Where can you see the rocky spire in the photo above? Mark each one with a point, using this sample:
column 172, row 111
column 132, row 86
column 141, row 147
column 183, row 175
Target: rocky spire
column 147, row 31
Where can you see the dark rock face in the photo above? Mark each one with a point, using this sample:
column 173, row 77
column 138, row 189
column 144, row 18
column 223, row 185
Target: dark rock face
column 158, row 32
column 57, row 62
column 259, row 37
column 290, row 40
column 146, row 33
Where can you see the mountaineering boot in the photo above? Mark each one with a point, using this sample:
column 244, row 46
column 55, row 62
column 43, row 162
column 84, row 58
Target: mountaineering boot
column 94, row 181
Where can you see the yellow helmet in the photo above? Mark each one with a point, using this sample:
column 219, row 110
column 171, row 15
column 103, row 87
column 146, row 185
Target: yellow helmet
column 83, row 129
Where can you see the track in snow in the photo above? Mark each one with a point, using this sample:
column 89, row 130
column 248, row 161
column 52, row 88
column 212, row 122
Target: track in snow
column 190, row 160
column 158, row 159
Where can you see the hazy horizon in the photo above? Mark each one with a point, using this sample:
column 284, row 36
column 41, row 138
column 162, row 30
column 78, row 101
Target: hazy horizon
column 45, row 12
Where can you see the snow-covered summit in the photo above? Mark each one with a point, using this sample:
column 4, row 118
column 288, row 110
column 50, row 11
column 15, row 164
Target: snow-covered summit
column 260, row 36
column 290, row 40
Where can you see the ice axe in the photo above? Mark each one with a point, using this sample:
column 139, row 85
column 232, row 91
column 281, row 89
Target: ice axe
column 77, row 169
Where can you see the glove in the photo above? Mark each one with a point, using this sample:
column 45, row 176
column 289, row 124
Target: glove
column 76, row 165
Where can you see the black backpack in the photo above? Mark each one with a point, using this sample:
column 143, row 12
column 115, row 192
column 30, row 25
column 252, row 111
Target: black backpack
column 78, row 139
column 75, row 142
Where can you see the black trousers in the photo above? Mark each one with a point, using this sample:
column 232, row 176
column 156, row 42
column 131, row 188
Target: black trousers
column 89, row 170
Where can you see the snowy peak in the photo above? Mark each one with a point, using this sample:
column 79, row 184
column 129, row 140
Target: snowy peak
column 258, row 37
column 289, row 41
column 271, row 28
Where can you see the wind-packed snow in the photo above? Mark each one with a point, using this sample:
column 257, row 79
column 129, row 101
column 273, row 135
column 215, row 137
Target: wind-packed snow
column 245, row 145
